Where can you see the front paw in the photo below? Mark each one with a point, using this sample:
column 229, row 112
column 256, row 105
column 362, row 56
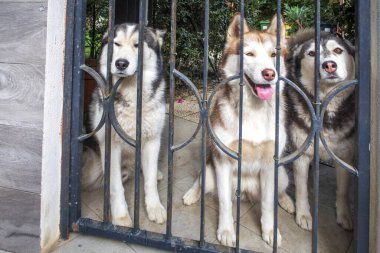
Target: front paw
column 191, row 196
column 227, row 236
column 304, row 220
column 124, row 221
column 287, row 203
column 268, row 237
column 156, row 213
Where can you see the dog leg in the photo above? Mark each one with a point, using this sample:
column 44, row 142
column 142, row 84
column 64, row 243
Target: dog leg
column 150, row 151
column 119, row 207
column 343, row 213
column 226, row 233
column 194, row 193
column 283, row 198
column 267, row 205
column 301, row 171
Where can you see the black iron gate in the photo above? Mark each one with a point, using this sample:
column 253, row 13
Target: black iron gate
column 71, row 219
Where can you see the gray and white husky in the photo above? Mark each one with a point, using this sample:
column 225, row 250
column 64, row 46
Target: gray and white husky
column 124, row 65
column 337, row 65
column 257, row 180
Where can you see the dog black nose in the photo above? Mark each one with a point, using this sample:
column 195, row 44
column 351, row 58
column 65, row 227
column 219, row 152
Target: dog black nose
column 268, row 74
column 329, row 66
column 121, row 64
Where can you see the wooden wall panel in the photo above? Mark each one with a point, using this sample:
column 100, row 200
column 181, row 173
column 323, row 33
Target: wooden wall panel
column 21, row 95
column 23, row 32
column 19, row 221
column 22, row 75
column 20, row 158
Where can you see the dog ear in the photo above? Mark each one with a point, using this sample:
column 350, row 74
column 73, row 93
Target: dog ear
column 272, row 29
column 234, row 28
column 351, row 48
column 160, row 35
column 105, row 35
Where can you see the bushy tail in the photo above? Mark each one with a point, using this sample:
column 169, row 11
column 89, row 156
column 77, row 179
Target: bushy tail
column 92, row 171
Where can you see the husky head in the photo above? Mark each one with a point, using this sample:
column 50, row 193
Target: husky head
column 336, row 59
column 125, row 49
column 259, row 52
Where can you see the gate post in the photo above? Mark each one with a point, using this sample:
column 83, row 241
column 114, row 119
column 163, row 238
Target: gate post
column 375, row 128
column 363, row 73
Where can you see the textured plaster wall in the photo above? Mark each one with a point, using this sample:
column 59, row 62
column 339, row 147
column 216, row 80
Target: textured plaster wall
column 52, row 139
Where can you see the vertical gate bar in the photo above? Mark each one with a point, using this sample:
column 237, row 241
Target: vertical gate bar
column 66, row 120
column 363, row 90
column 277, row 133
column 142, row 12
column 107, row 141
column 204, row 120
column 173, row 33
column 238, row 190
column 317, row 104
column 77, row 111
column 93, row 31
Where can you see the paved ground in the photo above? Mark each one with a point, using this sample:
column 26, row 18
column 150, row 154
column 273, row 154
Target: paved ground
column 332, row 238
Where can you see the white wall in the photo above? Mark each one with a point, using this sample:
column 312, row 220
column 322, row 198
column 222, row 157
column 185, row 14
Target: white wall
column 52, row 136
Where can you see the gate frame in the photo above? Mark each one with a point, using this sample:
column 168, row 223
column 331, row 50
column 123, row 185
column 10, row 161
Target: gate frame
column 71, row 148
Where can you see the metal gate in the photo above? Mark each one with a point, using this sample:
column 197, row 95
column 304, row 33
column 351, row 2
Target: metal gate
column 73, row 136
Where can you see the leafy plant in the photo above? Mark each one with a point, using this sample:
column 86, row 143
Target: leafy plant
column 96, row 25
column 298, row 17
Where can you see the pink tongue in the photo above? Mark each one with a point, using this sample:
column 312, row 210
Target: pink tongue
column 264, row 92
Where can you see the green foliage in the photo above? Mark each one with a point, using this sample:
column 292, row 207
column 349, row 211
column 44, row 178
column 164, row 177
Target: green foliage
column 96, row 25
column 298, row 17
column 190, row 33
column 300, row 14
column 190, row 26
column 344, row 15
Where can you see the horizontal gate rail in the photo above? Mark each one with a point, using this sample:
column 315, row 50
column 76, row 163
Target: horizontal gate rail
column 147, row 238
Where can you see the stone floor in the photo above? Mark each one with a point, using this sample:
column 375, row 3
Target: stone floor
column 332, row 238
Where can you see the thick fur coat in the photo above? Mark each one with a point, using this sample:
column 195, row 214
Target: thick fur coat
column 124, row 65
column 336, row 66
column 258, row 141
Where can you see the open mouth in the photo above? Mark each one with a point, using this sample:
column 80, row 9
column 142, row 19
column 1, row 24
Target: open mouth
column 262, row 91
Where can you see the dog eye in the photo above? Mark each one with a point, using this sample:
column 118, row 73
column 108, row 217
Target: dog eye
column 338, row 50
column 311, row 53
column 116, row 44
column 273, row 55
column 249, row 54
column 136, row 45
